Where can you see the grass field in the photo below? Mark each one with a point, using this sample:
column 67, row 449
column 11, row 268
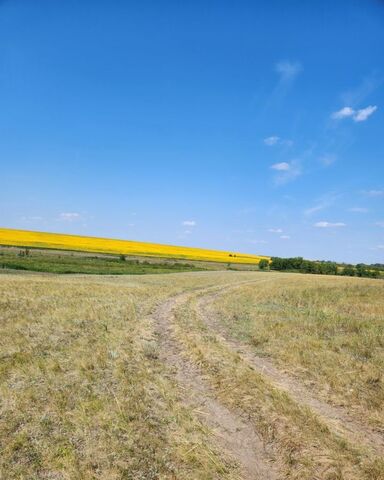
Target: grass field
column 24, row 238
column 197, row 375
column 329, row 333
column 64, row 262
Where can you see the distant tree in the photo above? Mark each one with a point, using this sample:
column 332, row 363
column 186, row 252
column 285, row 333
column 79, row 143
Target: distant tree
column 298, row 264
column 349, row 271
column 263, row 264
column 374, row 273
column 328, row 268
column 361, row 270
column 307, row 266
column 123, row 258
column 276, row 263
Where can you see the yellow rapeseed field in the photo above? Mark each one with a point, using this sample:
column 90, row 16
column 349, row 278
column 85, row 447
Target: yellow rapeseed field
column 25, row 238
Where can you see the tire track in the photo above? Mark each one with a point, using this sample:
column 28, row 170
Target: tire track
column 336, row 418
column 231, row 432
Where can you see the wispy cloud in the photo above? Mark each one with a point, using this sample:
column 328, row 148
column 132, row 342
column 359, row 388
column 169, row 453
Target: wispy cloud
column 69, row 216
column 327, row 159
column 359, row 94
column 275, row 230
column 287, row 171
column 343, row 113
column 275, row 140
column 285, row 237
column 324, row 202
column 288, row 70
column 317, row 208
column 380, row 224
column 360, row 115
column 358, row 210
column 329, row 224
column 189, row 223
column 282, row 166
column 272, row 140
column 257, row 242
column 373, row 193
column 364, row 113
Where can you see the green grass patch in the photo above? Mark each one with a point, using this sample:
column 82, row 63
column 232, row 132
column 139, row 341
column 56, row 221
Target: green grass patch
column 37, row 261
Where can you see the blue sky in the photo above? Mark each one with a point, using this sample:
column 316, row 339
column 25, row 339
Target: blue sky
column 248, row 126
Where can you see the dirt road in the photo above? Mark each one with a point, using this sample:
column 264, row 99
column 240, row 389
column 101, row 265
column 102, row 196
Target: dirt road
column 234, row 434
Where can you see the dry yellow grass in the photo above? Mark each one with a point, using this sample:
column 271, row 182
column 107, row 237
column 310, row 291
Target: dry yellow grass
column 83, row 393
column 24, row 238
column 307, row 442
column 327, row 331
column 91, row 387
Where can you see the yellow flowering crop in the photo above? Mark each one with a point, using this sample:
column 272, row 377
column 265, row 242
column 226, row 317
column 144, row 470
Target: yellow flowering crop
column 24, row 238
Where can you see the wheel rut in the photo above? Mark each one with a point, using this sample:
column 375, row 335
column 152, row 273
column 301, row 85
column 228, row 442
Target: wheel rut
column 232, row 434
column 337, row 419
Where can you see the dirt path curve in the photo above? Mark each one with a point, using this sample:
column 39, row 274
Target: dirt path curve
column 231, row 432
column 336, row 418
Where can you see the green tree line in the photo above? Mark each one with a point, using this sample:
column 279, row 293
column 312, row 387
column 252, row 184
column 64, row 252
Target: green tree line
column 299, row 264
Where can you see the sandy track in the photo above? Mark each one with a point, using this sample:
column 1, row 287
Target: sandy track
column 335, row 417
column 232, row 434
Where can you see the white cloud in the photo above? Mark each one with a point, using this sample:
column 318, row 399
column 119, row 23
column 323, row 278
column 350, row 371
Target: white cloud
column 282, row 166
column 270, row 141
column 381, row 247
column 329, row 224
column 364, row 113
column 275, row 140
column 343, row 113
column 285, row 237
column 69, row 216
column 287, row 171
column 358, row 210
column 189, row 223
column 380, row 224
column 288, row 70
column 358, row 115
column 275, row 230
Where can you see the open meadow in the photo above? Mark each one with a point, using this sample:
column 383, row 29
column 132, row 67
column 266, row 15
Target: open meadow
column 195, row 375
column 191, row 240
